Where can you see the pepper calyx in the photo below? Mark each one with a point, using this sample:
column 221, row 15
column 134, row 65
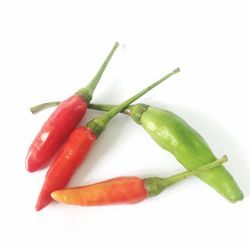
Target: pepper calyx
column 85, row 94
column 136, row 111
column 154, row 186
column 97, row 126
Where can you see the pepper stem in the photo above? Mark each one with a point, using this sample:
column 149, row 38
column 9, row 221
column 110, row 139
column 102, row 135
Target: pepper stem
column 101, row 107
column 155, row 185
column 108, row 107
column 95, row 106
column 87, row 92
column 98, row 124
column 42, row 106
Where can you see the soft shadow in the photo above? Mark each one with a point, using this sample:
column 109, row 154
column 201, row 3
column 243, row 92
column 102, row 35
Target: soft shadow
column 112, row 91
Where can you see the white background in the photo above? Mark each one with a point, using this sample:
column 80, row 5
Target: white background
column 49, row 49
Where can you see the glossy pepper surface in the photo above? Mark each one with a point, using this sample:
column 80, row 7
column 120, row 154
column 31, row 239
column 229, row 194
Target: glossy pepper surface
column 176, row 136
column 125, row 190
column 61, row 123
column 76, row 147
column 67, row 160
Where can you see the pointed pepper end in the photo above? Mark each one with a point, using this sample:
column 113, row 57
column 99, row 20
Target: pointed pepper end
column 31, row 164
column 42, row 203
column 30, row 170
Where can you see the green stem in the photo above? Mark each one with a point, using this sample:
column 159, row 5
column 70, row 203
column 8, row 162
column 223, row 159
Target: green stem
column 101, row 107
column 155, row 185
column 108, row 107
column 95, row 106
column 98, row 124
column 87, row 92
column 135, row 111
column 38, row 108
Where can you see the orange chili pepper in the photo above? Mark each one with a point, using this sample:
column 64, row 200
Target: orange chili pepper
column 124, row 190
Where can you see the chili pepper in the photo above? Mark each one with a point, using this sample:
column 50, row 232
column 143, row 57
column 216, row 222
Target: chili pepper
column 62, row 121
column 173, row 134
column 76, row 147
column 124, row 190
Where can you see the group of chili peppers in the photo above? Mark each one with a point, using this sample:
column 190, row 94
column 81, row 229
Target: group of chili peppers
column 60, row 137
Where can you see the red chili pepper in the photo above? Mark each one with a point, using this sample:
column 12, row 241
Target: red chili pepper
column 62, row 121
column 68, row 158
column 75, row 149
column 124, row 190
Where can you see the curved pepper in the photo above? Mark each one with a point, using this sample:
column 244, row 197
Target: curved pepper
column 125, row 190
column 76, row 147
column 66, row 162
column 120, row 190
column 62, row 121
column 173, row 134
column 176, row 136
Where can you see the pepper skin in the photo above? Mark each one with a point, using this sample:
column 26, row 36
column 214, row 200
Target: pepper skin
column 78, row 144
column 120, row 190
column 174, row 135
column 55, row 130
column 68, row 159
column 124, row 190
column 61, row 123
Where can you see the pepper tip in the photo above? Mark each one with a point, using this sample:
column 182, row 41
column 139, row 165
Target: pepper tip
column 30, row 170
column 54, row 195
column 42, row 203
column 38, row 207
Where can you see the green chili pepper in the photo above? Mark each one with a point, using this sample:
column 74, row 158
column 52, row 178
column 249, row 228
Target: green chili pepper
column 174, row 135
